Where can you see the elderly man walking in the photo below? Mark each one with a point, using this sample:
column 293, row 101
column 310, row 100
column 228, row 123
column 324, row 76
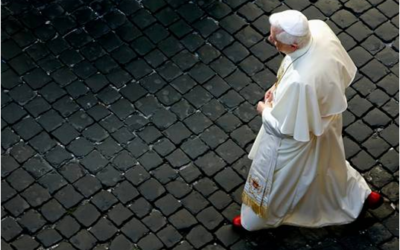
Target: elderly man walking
column 299, row 175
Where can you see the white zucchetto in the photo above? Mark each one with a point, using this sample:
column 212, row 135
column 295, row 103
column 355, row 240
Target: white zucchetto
column 291, row 21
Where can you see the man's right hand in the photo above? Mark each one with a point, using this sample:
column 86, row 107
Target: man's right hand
column 269, row 94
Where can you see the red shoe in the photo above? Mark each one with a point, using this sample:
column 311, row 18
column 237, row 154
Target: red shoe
column 374, row 200
column 237, row 222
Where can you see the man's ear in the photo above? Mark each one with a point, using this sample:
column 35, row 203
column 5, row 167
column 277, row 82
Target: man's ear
column 294, row 46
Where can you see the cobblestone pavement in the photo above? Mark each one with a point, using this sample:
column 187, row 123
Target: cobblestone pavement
column 126, row 124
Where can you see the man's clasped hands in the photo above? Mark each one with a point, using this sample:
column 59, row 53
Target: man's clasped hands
column 267, row 100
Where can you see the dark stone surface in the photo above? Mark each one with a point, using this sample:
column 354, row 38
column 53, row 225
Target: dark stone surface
column 128, row 123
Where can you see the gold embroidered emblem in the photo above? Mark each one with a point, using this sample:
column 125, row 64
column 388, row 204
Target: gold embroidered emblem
column 255, row 184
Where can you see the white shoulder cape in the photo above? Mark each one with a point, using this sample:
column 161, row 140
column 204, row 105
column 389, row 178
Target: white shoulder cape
column 319, row 91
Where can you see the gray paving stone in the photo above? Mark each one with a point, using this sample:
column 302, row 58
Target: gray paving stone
column 68, row 196
column 199, row 236
column 121, row 242
column 194, row 202
column 48, row 237
column 391, row 191
column 88, row 185
column 103, row 230
column 150, row 242
column 125, row 192
column 83, row 240
column 343, row 18
column 86, row 214
column 52, row 181
column 32, row 221
column 378, row 176
column 134, row 230
column 390, row 223
column 36, row 195
column 25, row 242
column 210, row 218
column 16, row 206
column 103, row 200
column 173, row 64
column 119, row 214
column 8, row 165
column 9, row 138
column 19, row 180
column 10, row 229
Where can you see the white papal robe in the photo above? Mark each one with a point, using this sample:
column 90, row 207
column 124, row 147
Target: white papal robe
column 299, row 175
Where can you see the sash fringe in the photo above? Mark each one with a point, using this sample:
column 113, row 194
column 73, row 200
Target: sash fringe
column 260, row 211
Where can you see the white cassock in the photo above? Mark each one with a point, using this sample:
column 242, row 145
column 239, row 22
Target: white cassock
column 299, row 175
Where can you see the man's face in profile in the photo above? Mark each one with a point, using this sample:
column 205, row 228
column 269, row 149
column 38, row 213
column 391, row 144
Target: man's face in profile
column 281, row 47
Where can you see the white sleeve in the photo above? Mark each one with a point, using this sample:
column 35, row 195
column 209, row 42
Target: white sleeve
column 271, row 125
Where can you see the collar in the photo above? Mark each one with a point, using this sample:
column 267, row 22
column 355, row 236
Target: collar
column 301, row 51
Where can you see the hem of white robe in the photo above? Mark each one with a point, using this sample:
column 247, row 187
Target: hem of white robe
column 302, row 225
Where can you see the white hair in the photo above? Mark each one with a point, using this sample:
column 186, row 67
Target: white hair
column 286, row 38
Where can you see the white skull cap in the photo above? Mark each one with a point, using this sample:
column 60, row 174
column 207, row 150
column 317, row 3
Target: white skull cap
column 291, row 21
